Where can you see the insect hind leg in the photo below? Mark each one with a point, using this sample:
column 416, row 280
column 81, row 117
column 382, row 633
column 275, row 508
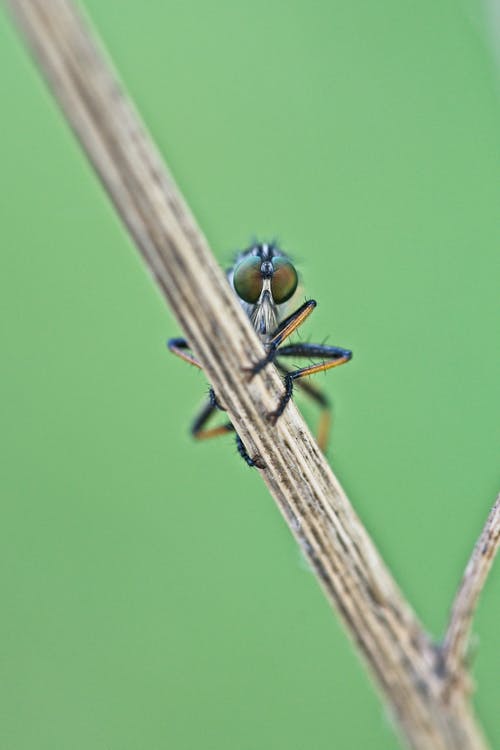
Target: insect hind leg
column 200, row 432
column 255, row 461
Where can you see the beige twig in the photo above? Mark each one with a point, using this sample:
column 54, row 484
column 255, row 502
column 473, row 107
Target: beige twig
column 401, row 658
column 457, row 636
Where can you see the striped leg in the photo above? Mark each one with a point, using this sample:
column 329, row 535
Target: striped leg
column 199, row 432
column 332, row 356
column 285, row 329
column 324, row 403
column 180, row 348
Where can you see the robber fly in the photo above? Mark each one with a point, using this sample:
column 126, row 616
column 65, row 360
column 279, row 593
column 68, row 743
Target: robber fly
column 265, row 280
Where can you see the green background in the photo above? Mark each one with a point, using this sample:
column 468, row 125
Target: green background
column 151, row 595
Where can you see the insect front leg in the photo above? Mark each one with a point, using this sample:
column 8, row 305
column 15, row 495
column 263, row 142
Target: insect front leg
column 285, row 329
column 181, row 348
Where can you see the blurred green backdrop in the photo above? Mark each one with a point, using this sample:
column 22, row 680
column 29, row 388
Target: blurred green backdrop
column 365, row 137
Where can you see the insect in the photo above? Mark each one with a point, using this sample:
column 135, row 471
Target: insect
column 265, row 280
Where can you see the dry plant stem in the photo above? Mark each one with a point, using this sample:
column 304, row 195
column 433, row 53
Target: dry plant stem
column 403, row 661
column 457, row 636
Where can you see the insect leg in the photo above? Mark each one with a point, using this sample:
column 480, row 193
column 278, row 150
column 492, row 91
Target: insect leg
column 255, row 461
column 180, row 348
column 285, row 329
column 199, row 432
column 198, row 429
column 324, row 403
column 335, row 354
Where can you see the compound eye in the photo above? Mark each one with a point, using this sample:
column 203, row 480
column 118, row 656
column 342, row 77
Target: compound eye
column 247, row 279
column 284, row 280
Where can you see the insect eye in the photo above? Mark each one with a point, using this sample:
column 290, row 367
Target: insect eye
column 284, row 280
column 247, row 279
